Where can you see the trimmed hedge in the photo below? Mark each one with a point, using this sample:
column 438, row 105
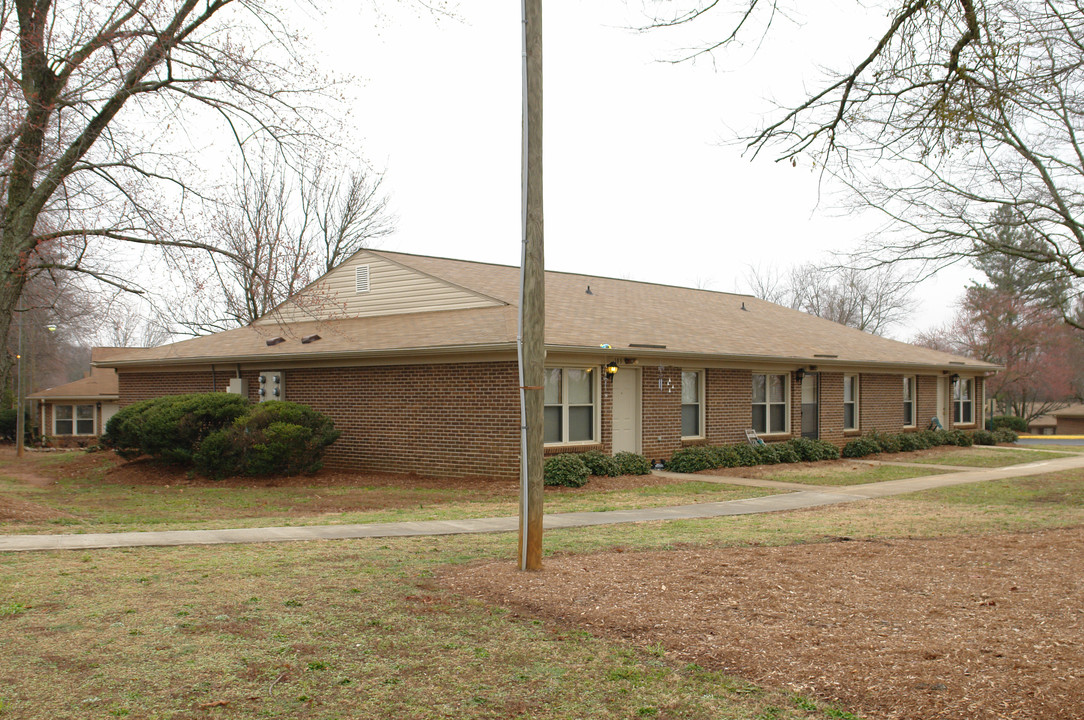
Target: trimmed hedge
column 1012, row 422
column 905, row 442
column 274, row 438
column 568, row 470
column 172, row 427
column 222, row 434
column 600, row 464
column 709, row 457
column 629, row 463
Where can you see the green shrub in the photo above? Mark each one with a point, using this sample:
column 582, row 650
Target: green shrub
column 9, row 420
column 745, row 455
column 172, row 427
column 723, row 456
column 909, row 442
column 983, row 437
column 566, row 470
column 1005, row 435
column 786, row 453
column 959, row 438
column 810, row 450
column 1012, row 422
column 691, row 459
column 274, row 438
column 632, row 464
column 600, row 464
column 861, row 447
column 888, row 443
column 766, row 454
column 936, row 438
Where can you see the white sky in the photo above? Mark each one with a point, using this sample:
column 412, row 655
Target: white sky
column 642, row 179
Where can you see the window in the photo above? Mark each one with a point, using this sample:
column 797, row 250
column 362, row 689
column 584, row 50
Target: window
column 850, row 402
column 963, row 402
column 769, row 403
column 570, row 405
column 908, row 401
column 692, row 403
column 73, row 419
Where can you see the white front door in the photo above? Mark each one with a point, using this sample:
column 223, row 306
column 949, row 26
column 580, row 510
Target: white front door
column 626, row 417
column 944, row 400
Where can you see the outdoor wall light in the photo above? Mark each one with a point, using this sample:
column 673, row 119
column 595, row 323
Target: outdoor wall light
column 954, row 377
column 611, row 369
column 799, row 374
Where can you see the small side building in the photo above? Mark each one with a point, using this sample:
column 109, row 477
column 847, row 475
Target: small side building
column 75, row 414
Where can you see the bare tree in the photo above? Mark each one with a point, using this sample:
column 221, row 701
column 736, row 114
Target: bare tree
column 282, row 228
column 957, row 109
column 873, row 300
column 100, row 102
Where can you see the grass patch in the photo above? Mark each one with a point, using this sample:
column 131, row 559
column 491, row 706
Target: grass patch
column 985, row 457
column 356, row 629
column 84, row 502
column 844, row 472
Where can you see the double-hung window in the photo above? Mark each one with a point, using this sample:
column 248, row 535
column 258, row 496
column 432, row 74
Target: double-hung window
column 570, row 405
column 73, row 419
column 963, row 401
column 850, row 402
column 692, row 403
column 770, row 403
column 908, row 401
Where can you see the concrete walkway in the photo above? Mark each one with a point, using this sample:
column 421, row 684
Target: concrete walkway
column 805, row 496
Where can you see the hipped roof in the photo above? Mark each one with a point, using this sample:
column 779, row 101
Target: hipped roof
column 636, row 319
column 100, row 384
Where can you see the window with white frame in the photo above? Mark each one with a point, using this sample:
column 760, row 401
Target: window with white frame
column 909, row 384
column 692, row 403
column 570, row 405
column 770, row 403
column 850, row 402
column 73, row 419
column 963, row 400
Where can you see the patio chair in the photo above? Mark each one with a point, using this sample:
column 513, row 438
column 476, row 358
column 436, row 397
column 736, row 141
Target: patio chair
column 753, row 438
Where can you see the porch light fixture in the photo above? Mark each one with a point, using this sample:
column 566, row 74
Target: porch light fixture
column 799, row 374
column 954, row 377
column 611, row 370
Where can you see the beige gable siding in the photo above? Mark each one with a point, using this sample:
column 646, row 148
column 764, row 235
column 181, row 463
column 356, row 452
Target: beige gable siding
column 393, row 290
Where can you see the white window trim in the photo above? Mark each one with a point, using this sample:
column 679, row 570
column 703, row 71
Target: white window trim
column 955, row 402
column 768, row 409
column 75, row 420
column 596, row 412
column 857, row 401
column 913, row 401
column 700, row 376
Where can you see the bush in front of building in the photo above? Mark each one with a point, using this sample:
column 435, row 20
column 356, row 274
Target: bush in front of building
column 1005, row 435
column 273, row 438
column 692, row 459
column 909, row 442
column 1014, row 423
column 861, row 446
column 810, row 450
column 630, row 463
column 171, row 427
column 600, row 464
column 568, row 470
column 984, row 437
column 960, row 438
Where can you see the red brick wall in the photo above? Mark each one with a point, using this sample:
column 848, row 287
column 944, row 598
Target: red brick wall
column 880, row 400
column 661, row 410
column 455, row 419
column 729, row 398
column 831, row 408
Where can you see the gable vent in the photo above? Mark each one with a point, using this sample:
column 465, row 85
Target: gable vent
column 361, row 278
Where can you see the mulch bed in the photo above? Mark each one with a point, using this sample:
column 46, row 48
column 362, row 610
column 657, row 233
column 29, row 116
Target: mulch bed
column 965, row 627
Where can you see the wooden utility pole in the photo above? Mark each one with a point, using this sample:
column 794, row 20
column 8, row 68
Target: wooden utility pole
column 532, row 307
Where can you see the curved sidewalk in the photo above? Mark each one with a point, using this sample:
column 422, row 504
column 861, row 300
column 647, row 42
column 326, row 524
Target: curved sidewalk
column 801, row 498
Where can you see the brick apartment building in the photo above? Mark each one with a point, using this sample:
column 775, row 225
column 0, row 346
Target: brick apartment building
column 415, row 360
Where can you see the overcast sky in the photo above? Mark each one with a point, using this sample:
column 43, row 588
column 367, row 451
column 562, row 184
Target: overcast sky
column 642, row 177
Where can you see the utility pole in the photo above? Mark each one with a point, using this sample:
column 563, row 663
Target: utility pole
column 532, row 306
